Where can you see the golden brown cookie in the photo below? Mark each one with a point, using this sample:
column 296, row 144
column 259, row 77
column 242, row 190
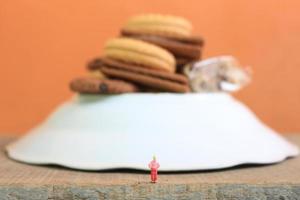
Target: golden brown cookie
column 162, row 25
column 141, row 53
column 163, row 81
column 90, row 85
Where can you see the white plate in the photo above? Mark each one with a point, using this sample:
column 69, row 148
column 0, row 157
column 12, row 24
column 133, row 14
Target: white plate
column 184, row 131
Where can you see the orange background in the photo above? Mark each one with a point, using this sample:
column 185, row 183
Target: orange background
column 44, row 44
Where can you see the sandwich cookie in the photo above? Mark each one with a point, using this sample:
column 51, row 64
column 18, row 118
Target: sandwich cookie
column 189, row 48
column 91, row 85
column 140, row 53
column 169, row 32
column 141, row 63
column 146, row 78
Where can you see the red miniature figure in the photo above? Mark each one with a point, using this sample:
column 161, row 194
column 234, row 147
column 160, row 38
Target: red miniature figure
column 153, row 165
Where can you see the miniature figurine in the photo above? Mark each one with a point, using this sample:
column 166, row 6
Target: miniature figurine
column 153, row 165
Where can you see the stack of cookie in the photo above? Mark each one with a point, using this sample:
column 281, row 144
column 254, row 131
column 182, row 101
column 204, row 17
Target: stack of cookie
column 169, row 32
column 147, row 57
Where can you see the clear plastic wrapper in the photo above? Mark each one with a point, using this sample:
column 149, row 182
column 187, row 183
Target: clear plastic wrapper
column 217, row 74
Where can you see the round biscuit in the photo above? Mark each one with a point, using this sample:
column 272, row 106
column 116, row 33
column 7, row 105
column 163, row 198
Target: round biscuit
column 138, row 59
column 163, row 25
column 158, row 19
column 146, row 54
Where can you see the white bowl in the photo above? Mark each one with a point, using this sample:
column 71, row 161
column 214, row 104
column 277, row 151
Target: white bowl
column 184, row 131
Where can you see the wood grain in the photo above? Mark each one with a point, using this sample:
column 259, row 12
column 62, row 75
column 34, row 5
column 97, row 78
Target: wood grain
column 22, row 181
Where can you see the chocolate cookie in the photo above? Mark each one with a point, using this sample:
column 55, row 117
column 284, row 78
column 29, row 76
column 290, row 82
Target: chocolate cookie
column 90, row 85
column 180, row 48
column 163, row 81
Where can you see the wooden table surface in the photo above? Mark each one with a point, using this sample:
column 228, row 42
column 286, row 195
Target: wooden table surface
column 21, row 181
